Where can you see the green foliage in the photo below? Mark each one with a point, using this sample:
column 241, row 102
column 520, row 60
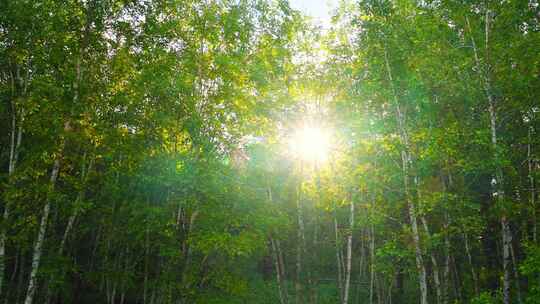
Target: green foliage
column 530, row 267
column 486, row 298
column 169, row 124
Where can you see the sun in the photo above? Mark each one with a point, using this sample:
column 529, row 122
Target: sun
column 311, row 144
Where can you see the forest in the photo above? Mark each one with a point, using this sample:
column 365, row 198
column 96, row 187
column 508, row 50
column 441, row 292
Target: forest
column 235, row 151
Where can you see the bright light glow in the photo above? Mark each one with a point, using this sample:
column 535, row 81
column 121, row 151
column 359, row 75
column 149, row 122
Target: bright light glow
column 311, row 144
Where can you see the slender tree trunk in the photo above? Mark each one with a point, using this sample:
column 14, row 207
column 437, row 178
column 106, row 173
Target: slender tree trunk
column 532, row 186
column 349, row 255
column 457, row 280
column 69, row 226
column 80, row 197
column 360, row 267
column 5, row 217
column 113, row 293
column 32, row 284
column 95, row 247
column 342, row 264
column 338, row 259
column 281, row 263
column 446, row 270
column 282, row 269
column 146, row 259
column 418, row 251
column 153, row 296
column 15, row 143
column 406, row 162
column 389, row 293
column 372, row 260
column 36, row 258
column 435, row 264
column 516, row 274
column 179, row 217
column 187, row 248
column 145, row 282
column 498, row 178
column 507, row 245
column 447, row 245
column 13, row 153
column 125, row 271
column 400, row 288
column 13, row 275
column 380, row 290
column 471, row 263
column 300, row 249
column 279, row 279
column 20, row 279
column 316, row 240
column 278, row 261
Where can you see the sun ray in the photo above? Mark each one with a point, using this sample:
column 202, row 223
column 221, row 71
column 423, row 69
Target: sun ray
column 311, row 144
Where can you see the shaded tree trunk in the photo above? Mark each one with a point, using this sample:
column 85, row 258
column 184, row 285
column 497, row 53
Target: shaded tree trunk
column 372, row 266
column 457, row 280
column 279, row 273
column 300, row 247
column 85, row 169
column 516, row 274
column 532, row 186
column 339, row 262
column 20, row 280
column 282, row 268
column 447, row 245
column 349, row 254
column 146, row 262
column 360, row 266
column 498, row 177
column 15, row 143
column 471, row 263
column 435, row 264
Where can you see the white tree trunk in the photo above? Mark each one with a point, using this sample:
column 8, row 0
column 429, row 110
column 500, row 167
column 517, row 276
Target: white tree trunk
column 446, row 271
column 447, row 245
column 339, row 263
column 15, row 143
column 372, row 265
column 279, row 279
column 418, row 254
column 278, row 261
column 36, row 258
column 507, row 243
column 435, row 264
column 300, row 248
column 406, row 161
column 483, row 69
column 469, row 257
column 69, row 226
column 349, row 255
column 80, row 197
column 360, row 266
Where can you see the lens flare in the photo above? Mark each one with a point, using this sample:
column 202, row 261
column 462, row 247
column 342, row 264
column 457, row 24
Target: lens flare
column 311, row 144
